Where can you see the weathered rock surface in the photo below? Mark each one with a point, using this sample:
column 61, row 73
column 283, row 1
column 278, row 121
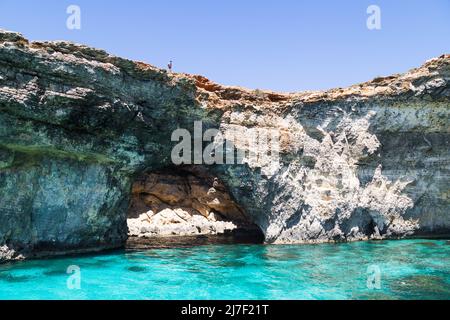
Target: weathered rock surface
column 183, row 201
column 177, row 222
column 78, row 126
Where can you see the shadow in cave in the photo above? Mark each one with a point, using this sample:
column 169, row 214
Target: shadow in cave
column 186, row 206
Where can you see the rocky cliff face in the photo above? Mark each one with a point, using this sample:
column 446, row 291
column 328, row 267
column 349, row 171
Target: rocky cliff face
column 183, row 201
column 78, row 127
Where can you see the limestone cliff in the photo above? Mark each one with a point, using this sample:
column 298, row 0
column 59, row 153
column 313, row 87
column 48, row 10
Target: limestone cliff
column 78, row 127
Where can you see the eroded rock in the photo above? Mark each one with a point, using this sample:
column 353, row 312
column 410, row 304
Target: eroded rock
column 182, row 202
column 77, row 126
column 177, row 222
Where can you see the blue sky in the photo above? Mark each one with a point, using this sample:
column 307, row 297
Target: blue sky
column 283, row 45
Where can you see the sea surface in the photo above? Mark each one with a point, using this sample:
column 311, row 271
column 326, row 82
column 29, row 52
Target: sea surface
column 406, row 269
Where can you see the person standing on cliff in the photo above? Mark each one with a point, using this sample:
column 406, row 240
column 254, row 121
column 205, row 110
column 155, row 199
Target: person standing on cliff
column 170, row 65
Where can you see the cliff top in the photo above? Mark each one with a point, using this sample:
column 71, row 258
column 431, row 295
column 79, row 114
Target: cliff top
column 431, row 78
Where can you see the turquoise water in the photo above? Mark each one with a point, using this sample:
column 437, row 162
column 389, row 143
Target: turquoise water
column 409, row 269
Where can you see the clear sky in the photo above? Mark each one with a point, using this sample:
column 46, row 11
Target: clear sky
column 284, row 45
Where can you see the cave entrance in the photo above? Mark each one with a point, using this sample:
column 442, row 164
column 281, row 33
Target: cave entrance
column 186, row 205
